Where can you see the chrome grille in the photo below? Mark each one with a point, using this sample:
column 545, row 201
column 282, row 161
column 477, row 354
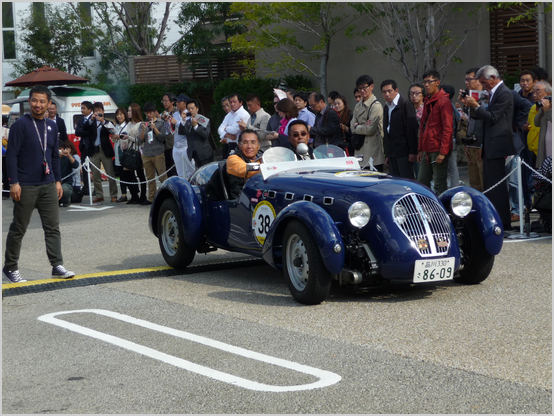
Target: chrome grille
column 424, row 222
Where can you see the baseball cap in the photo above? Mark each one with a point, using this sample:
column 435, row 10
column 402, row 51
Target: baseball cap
column 183, row 97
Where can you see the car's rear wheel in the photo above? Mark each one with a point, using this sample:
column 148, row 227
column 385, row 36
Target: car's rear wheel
column 307, row 277
column 476, row 261
column 171, row 234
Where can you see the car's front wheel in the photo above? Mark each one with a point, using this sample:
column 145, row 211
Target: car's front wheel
column 307, row 277
column 476, row 261
column 171, row 234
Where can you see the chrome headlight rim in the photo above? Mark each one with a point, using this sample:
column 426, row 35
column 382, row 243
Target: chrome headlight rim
column 359, row 214
column 461, row 204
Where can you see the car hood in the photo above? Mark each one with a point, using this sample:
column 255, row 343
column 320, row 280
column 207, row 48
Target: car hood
column 352, row 178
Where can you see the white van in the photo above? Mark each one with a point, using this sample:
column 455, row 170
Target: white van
column 68, row 99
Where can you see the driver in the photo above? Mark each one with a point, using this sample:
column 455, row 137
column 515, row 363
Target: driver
column 298, row 133
column 246, row 152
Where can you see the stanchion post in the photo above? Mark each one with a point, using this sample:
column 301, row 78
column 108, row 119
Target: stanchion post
column 87, row 169
column 520, row 193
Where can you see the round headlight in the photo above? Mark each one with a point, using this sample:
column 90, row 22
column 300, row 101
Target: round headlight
column 359, row 214
column 461, row 204
column 400, row 214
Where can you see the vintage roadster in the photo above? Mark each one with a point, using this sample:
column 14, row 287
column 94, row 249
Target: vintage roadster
column 326, row 218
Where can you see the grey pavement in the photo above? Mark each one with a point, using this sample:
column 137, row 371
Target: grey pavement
column 444, row 348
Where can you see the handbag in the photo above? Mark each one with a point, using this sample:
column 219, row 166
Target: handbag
column 131, row 158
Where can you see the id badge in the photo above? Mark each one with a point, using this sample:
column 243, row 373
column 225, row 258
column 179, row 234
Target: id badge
column 46, row 168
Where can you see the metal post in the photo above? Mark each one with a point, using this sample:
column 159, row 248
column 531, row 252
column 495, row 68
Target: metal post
column 520, row 193
column 86, row 166
column 521, row 235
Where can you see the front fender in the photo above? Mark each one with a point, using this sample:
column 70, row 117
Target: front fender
column 483, row 214
column 322, row 227
column 189, row 206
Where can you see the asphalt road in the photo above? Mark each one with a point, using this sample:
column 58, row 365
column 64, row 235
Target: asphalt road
column 445, row 348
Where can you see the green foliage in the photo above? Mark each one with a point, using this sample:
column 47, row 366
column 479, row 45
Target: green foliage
column 51, row 36
column 287, row 36
column 204, row 35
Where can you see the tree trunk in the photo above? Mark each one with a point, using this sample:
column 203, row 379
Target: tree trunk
column 323, row 69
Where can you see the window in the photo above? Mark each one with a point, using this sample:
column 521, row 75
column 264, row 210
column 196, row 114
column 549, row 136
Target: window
column 8, row 32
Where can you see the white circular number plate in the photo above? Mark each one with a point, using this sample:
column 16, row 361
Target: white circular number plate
column 263, row 217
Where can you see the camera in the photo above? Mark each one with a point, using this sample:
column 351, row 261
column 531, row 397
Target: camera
column 165, row 115
column 464, row 94
column 469, row 140
column 122, row 134
column 539, row 103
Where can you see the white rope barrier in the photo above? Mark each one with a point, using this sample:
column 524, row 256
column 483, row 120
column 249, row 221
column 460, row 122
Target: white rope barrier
column 129, row 183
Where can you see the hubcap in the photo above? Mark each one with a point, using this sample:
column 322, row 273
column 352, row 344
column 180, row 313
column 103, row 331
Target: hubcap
column 297, row 262
column 170, row 233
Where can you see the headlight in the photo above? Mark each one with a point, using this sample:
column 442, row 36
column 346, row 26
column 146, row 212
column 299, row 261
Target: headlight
column 359, row 214
column 461, row 204
column 400, row 214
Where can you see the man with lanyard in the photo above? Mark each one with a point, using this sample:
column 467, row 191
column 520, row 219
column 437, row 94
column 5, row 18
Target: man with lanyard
column 35, row 181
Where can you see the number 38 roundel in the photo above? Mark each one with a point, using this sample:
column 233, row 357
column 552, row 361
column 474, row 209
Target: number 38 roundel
column 263, row 217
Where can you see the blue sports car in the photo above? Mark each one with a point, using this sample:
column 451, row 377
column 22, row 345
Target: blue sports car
column 327, row 219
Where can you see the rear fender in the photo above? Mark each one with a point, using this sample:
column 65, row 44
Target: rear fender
column 189, row 206
column 322, row 227
column 483, row 214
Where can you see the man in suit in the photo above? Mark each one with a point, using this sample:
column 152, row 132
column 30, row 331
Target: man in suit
column 199, row 148
column 400, row 131
column 85, row 140
column 99, row 149
column 257, row 121
column 497, row 138
column 53, row 115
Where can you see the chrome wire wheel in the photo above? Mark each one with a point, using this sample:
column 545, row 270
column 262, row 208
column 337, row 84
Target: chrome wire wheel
column 170, row 233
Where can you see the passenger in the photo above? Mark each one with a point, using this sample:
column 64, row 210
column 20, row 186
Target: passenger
column 246, row 152
column 298, row 133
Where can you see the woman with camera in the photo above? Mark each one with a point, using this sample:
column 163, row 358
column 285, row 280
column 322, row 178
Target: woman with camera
column 121, row 123
column 129, row 140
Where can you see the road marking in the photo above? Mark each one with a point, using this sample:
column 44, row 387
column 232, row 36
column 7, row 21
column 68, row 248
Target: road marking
column 81, row 208
column 326, row 378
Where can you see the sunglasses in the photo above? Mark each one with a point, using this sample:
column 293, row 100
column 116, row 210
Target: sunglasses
column 303, row 134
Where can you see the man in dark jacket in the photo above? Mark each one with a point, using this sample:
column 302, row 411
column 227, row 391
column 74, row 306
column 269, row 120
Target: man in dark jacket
column 100, row 147
column 53, row 115
column 86, row 140
column 497, row 138
column 400, row 127
column 435, row 134
column 197, row 130
column 327, row 122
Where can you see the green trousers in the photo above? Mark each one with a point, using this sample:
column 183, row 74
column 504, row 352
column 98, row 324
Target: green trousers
column 45, row 199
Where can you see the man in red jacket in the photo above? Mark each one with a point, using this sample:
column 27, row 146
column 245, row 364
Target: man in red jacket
column 435, row 134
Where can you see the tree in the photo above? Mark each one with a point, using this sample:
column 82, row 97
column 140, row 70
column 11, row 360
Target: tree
column 51, row 36
column 205, row 36
column 288, row 35
column 123, row 29
column 416, row 37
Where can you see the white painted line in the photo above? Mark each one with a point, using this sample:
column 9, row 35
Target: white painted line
column 326, row 378
column 81, row 208
column 526, row 240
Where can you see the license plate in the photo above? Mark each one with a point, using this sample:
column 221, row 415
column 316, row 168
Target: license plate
column 435, row 270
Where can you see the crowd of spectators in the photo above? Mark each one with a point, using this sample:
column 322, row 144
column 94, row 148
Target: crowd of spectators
column 413, row 136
